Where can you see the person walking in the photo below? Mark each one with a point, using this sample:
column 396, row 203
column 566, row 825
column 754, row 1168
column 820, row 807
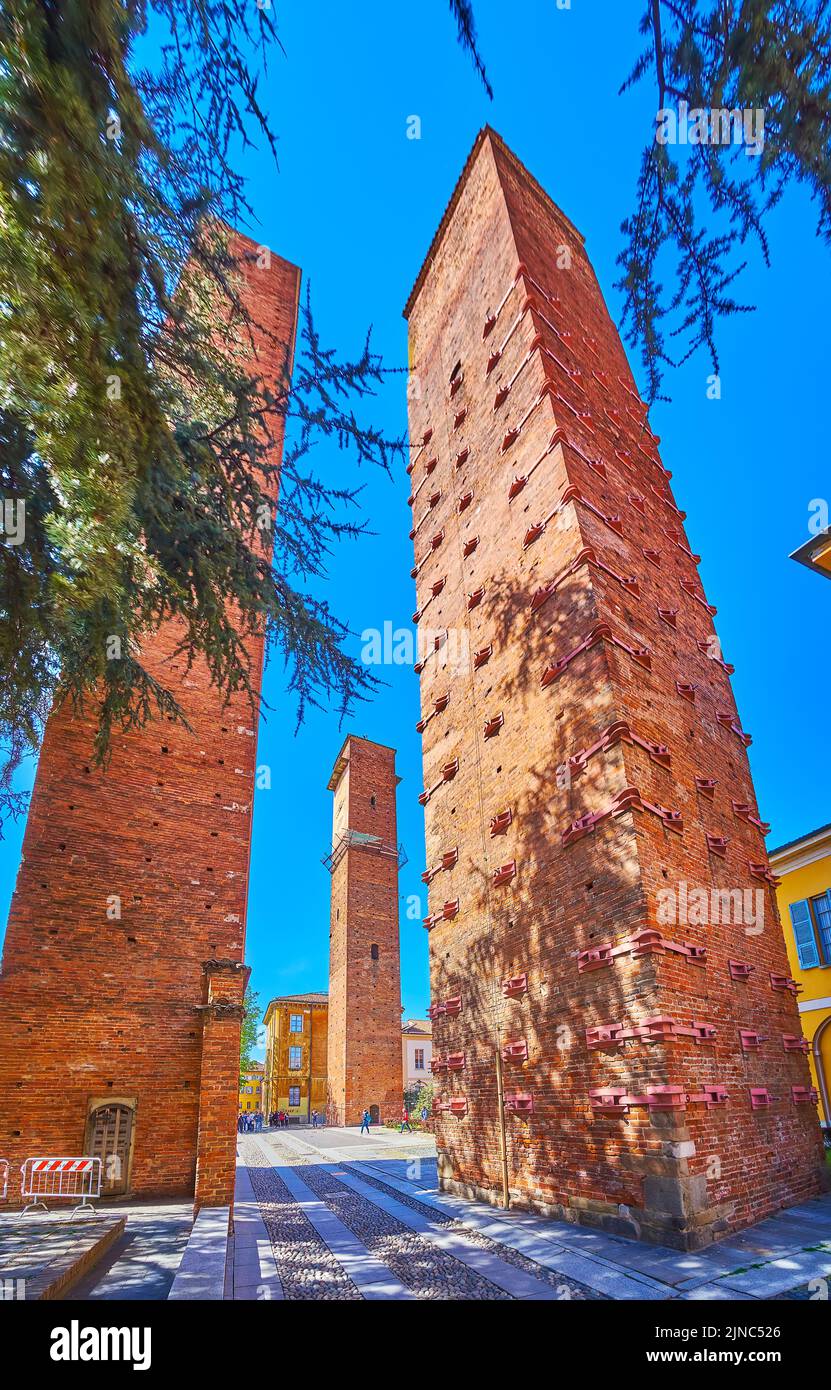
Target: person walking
column 365, row 1122
column 405, row 1121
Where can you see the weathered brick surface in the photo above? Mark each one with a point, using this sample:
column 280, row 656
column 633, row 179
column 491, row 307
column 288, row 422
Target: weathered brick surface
column 505, row 251
column 93, row 1007
column 364, row 1046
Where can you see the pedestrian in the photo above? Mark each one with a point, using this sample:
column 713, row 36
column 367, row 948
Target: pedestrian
column 365, row 1122
column 314, row 1119
column 405, row 1121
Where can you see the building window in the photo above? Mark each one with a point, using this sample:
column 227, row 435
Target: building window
column 294, row 1095
column 295, row 1058
column 419, row 1059
column 822, row 917
column 296, row 1023
column 811, row 923
column 374, row 952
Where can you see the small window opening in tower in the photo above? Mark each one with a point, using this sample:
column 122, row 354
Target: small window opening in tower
column 374, row 952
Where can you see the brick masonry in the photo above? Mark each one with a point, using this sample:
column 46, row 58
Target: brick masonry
column 578, row 675
column 144, row 1008
column 364, row 1048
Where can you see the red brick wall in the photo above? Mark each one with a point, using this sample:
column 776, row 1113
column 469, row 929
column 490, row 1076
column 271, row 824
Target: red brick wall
column 92, row 1005
column 364, row 1049
column 553, row 361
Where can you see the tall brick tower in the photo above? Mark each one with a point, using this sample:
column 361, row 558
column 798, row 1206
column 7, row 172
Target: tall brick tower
column 123, row 974
column 616, row 1036
column 365, row 1065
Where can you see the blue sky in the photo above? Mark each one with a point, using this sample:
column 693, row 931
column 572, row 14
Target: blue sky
column 355, row 203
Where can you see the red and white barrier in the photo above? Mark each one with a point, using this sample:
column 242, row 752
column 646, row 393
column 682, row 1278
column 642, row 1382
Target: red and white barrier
column 77, row 1179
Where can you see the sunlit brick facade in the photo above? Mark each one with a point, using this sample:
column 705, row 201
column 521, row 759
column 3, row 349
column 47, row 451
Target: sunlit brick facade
column 123, row 967
column 364, row 1050
column 585, row 769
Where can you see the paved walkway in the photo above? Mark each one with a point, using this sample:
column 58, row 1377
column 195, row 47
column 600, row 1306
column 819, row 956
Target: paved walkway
column 144, row 1261
column 334, row 1214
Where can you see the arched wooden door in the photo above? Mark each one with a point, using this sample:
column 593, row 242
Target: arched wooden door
column 109, row 1136
column 375, row 1114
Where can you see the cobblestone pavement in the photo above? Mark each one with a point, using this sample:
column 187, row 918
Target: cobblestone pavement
column 429, row 1272
column 305, row 1263
column 569, row 1287
column 307, row 1267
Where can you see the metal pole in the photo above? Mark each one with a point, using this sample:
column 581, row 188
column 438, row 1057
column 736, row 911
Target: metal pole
column 309, row 1107
column 503, row 1138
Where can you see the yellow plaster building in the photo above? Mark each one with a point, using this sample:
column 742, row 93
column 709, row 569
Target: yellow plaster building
column 251, row 1089
column 295, row 1055
column 804, row 897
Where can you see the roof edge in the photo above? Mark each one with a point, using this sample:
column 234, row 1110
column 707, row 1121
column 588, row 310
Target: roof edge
column 486, row 132
column 818, row 839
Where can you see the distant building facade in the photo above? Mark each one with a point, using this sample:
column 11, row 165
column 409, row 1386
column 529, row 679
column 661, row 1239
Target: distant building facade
column 297, row 1028
column 416, row 1052
column 804, row 896
column 295, row 1079
column 251, row 1089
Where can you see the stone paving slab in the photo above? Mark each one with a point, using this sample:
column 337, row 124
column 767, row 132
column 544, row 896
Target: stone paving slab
column 716, row 1293
column 201, row 1274
column 370, row 1274
column 778, row 1276
column 255, row 1275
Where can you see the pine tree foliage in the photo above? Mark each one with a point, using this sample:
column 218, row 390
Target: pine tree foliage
column 131, row 426
column 678, row 274
column 720, row 56
column 462, row 11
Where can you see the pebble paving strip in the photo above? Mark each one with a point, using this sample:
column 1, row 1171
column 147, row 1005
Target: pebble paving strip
column 415, row 1262
column 306, row 1265
column 570, row 1288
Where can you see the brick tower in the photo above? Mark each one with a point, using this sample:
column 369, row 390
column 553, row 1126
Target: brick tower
column 605, row 951
column 123, row 970
column 365, row 1066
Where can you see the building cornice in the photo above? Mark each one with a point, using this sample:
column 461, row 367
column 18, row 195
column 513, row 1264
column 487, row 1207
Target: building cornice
column 799, row 853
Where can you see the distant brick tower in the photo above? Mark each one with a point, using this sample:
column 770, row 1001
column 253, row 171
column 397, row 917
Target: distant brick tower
column 365, row 1065
column 584, row 766
column 123, row 974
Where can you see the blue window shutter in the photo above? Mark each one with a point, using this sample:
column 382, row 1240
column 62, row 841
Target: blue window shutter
column 803, row 931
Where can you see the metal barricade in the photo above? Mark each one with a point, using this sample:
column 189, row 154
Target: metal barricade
column 68, row 1178
column 4, row 1178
